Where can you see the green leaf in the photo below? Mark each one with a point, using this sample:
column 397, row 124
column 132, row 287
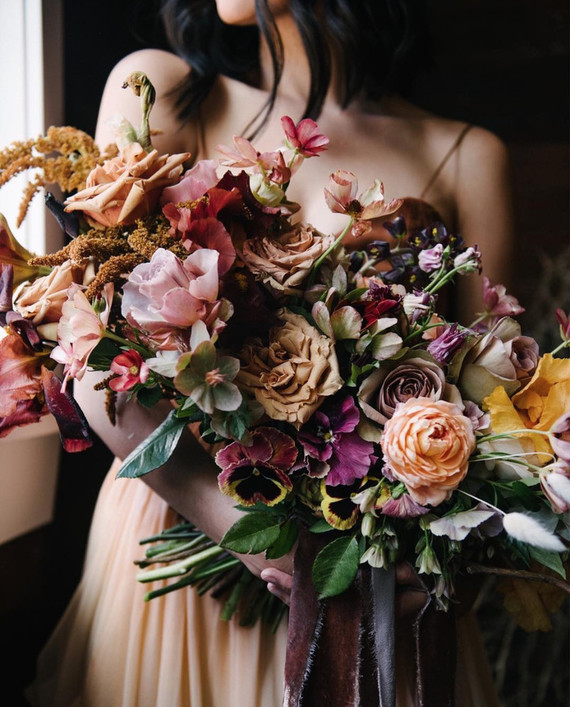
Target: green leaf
column 287, row 537
column 155, row 450
column 149, row 397
column 253, row 533
column 320, row 526
column 552, row 560
column 335, row 567
column 102, row 355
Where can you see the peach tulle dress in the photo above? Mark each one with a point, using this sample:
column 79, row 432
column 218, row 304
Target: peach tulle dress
column 112, row 649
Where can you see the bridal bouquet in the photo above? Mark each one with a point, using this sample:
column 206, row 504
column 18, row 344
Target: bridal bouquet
column 336, row 394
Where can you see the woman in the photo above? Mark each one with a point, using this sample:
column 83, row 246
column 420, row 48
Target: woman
column 111, row 648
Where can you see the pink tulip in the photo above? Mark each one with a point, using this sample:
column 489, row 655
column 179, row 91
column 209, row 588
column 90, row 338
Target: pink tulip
column 304, row 137
column 497, row 302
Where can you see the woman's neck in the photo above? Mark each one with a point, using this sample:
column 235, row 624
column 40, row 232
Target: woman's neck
column 296, row 77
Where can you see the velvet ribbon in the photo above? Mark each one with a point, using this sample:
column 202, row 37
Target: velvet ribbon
column 341, row 650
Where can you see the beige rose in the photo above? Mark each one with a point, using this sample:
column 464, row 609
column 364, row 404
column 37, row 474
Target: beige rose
column 291, row 376
column 127, row 187
column 427, row 444
column 285, row 262
column 43, row 299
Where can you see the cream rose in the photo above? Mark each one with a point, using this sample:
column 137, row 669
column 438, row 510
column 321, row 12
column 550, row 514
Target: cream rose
column 285, row 262
column 292, row 375
column 127, row 187
column 427, row 444
column 43, row 299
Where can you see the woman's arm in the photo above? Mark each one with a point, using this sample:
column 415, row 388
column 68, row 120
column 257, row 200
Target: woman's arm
column 482, row 187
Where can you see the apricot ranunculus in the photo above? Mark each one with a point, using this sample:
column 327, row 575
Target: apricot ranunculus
column 427, row 444
column 292, row 375
column 127, row 187
column 284, row 262
column 540, row 404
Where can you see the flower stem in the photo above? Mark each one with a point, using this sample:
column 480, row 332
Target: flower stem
column 563, row 345
column 124, row 342
column 319, row 261
column 180, row 567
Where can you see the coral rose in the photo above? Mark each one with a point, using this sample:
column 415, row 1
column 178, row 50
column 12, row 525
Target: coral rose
column 285, row 262
column 291, row 376
column 427, row 444
column 127, row 187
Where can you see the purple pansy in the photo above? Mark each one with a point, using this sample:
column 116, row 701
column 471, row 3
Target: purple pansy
column 333, row 446
column 447, row 343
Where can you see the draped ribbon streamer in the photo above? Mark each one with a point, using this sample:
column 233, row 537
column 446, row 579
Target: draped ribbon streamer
column 341, row 651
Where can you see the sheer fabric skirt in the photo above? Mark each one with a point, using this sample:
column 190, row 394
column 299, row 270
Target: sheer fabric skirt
column 113, row 649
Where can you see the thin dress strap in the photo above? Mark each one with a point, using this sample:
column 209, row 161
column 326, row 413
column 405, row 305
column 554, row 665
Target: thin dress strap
column 441, row 165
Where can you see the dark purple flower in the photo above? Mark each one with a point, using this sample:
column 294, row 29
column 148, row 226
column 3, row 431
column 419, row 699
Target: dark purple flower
column 329, row 438
column 73, row 427
column 446, row 344
column 379, row 250
column 397, row 227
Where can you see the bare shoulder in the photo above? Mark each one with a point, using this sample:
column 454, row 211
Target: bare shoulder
column 166, row 71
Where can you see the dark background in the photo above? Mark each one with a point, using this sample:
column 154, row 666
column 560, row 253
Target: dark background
column 499, row 64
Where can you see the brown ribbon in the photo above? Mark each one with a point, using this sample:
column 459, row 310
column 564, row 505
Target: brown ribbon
column 339, row 650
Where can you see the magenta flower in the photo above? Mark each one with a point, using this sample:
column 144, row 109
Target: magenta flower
column 304, row 137
column 497, row 302
column 333, row 446
column 258, row 472
column 447, row 343
column 130, row 369
column 80, row 329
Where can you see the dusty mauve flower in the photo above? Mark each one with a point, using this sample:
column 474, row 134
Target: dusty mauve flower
column 292, row 375
column 396, row 382
column 167, row 295
column 524, row 355
column 427, row 444
column 80, row 329
column 497, row 302
column 20, row 374
column 42, row 300
column 487, row 363
column 564, row 322
column 447, row 343
column 431, row 258
column 285, row 262
column 127, row 187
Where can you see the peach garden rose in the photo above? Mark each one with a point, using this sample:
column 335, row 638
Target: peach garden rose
column 427, row 444
column 128, row 186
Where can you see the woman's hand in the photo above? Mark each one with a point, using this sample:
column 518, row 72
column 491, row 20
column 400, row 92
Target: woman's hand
column 410, row 592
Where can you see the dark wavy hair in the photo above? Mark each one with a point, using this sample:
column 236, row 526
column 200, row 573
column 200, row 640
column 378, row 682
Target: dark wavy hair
column 380, row 46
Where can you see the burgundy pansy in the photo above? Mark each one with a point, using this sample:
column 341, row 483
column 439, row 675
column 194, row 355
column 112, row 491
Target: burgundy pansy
column 258, row 472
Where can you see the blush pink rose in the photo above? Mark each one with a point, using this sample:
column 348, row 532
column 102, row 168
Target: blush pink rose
column 427, row 444
column 168, row 295
column 194, row 183
column 80, row 329
column 127, row 187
